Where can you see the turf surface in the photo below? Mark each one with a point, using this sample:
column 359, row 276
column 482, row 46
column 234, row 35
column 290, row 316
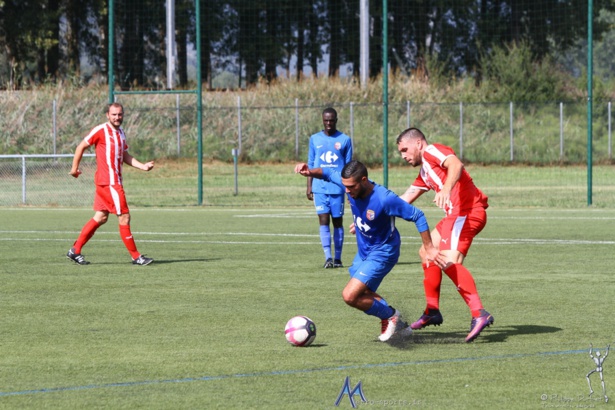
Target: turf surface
column 203, row 326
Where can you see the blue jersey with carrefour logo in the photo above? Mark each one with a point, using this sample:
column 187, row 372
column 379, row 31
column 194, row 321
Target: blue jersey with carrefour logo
column 331, row 152
column 374, row 217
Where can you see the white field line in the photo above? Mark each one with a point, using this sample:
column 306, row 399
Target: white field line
column 15, row 236
column 550, row 214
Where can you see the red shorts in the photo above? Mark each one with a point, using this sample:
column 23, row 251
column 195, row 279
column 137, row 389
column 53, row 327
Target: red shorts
column 110, row 198
column 458, row 231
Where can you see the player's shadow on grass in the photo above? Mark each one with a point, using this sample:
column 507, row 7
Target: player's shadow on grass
column 501, row 334
column 492, row 334
column 156, row 262
column 409, row 263
column 166, row 261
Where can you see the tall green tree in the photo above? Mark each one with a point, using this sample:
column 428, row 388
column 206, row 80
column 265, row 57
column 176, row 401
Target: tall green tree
column 316, row 35
column 214, row 19
column 25, row 36
column 49, row 54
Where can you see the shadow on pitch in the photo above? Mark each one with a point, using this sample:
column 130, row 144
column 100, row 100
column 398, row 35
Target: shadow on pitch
column 167, row 261
column 156, row 262
column 500, row 335
column 492, row 334
column 409, row 263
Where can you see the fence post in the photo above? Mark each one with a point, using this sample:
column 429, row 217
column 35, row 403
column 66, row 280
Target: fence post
column 352, row 125
column 177, row 122
column 235, row 173
column 561, row 130
column 55, row 129
column 238, row 125
column 610, row 135
column 23, row 180
column 296, row 128
column 407, row 114
column 512, row 134
column 460, row 130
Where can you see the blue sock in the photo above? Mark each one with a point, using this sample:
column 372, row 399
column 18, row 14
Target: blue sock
column 325, row 240
column 380, row 309
column 338, row 240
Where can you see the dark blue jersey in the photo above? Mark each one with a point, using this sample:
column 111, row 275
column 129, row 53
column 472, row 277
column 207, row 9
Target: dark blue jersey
column 374, row 217
column 329, row 152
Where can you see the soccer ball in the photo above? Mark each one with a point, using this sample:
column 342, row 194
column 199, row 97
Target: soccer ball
column 300, row 331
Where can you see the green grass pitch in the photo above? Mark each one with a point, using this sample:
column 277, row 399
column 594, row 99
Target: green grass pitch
column 203, row 326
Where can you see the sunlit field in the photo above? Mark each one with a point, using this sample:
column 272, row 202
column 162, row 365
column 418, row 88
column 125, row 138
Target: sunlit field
column 203, row 326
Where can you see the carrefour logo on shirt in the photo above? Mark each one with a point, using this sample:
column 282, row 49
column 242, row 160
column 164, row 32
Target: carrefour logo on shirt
column 329, row 157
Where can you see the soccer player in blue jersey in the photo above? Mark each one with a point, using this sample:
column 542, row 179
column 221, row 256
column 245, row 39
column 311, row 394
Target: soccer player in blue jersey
column 332, row 149
column 374, row 209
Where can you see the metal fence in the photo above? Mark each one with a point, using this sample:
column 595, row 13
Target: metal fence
column 536, row 133
column 498, row 133
column 44, row 180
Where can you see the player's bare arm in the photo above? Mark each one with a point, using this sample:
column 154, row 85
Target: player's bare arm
column 308, row 192
column 411, row 194
column 431, row 252
column 133, row 162
column 303, row 169
column 454, row 168
column 75, row 171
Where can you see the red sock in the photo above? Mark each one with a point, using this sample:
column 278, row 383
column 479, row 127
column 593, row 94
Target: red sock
column 431, row 282
column 129, row 242
column 463, row 280
column 86, row 233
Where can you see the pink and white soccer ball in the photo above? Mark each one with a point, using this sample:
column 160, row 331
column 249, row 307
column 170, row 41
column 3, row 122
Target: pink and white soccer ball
column 300, row 331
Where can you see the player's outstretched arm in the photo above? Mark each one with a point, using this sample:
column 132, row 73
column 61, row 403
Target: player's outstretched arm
column 303, row 169
column 412, row 193
column 133, row 162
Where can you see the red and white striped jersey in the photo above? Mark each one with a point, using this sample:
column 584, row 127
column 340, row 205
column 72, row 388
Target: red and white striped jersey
column 464, row 196
column 110, row 144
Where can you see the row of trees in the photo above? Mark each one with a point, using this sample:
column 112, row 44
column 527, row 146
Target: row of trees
column 53, row 39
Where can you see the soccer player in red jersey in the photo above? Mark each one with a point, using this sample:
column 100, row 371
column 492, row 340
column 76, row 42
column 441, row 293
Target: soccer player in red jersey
column 109, row 141
column 465, row 207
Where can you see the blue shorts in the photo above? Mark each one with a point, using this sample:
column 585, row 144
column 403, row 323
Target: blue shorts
column 372, row 270
column 329, row 204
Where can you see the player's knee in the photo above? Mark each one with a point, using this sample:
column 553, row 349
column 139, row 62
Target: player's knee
column 102, row 219
column 448, row 265
column 349, row 298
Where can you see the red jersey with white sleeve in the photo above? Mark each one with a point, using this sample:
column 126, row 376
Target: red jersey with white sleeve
column 110, row 146
column 464, row 195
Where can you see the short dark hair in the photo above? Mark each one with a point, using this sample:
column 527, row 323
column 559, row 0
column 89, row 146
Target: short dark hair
column 354, row 169
column 329, row 110
column 115, row 104
column 410, row 133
